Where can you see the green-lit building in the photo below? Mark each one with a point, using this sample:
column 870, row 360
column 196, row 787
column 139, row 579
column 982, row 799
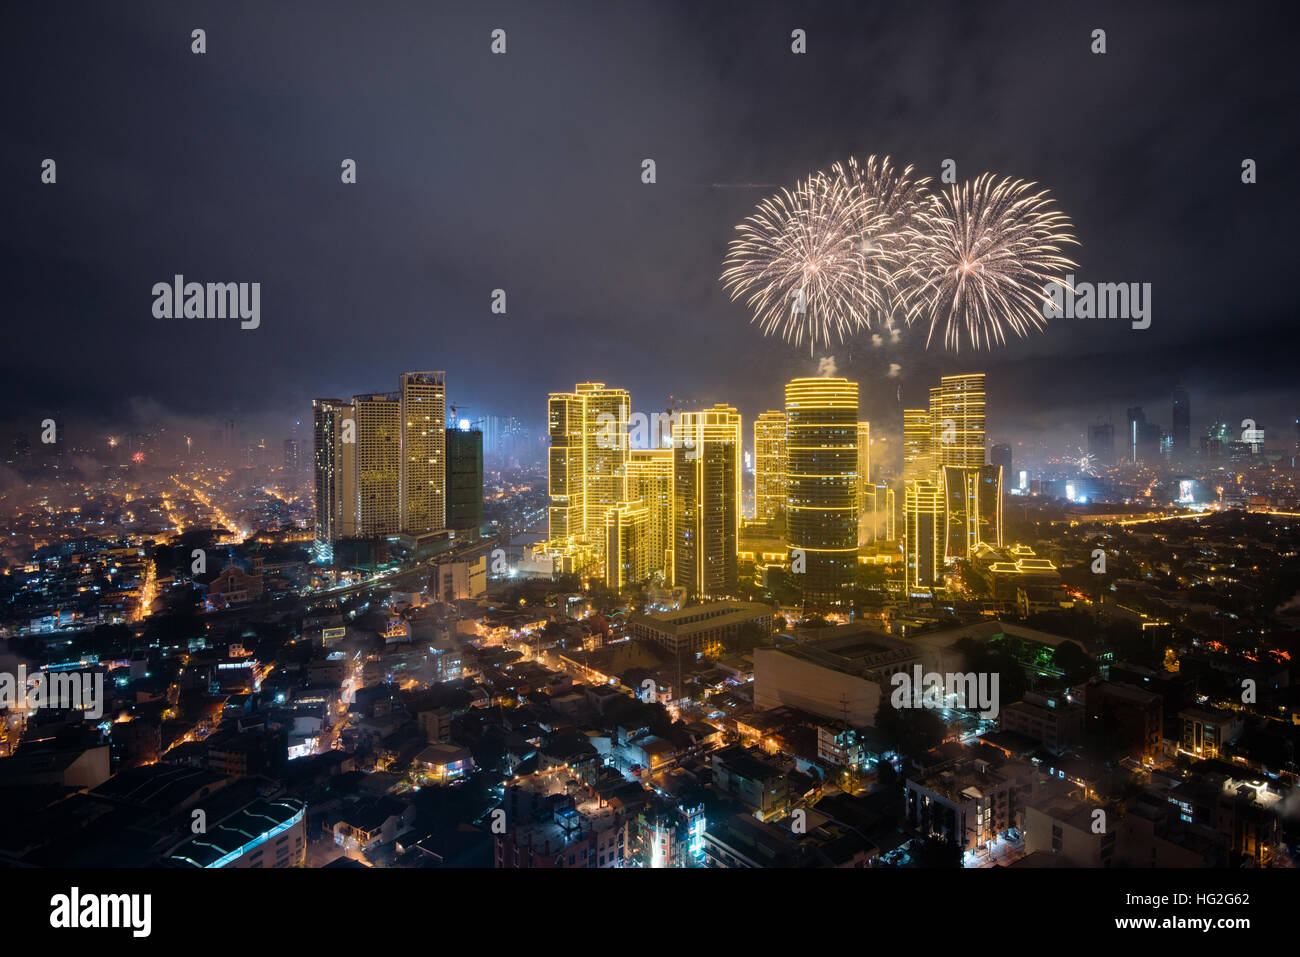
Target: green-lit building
column 464, row 479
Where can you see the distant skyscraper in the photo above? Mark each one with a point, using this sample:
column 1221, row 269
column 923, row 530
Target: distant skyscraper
column 423, row 479
column 464, row 479
column 1000, row 455
column 706, row 500
column 822, row 479
column 379, row 464
column 1101, row 443
column 1137, row 421
column 334, row 463
column 769, row 466
column 1182, row 424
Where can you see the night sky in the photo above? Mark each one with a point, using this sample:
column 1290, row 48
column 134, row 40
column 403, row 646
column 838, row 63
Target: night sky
column 522, row 172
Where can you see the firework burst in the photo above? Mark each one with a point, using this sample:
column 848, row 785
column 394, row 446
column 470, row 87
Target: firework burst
column 887, row 209
column 798, row 264
column 986, row 250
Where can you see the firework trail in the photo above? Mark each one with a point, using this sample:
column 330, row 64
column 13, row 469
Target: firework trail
column 987, row 248
column 798, row 264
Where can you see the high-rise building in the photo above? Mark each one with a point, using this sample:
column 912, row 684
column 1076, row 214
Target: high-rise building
column 822, row 481
column 917, row 463
column 590, row 447
column 650, row 480
column 1101, row 443
column 627, row 548
column 706, row 501
column 1182, row 424
column 378, row 464
column 769, row 467
column 464, row 479
column 334, row 463
column 423, row 478
column 923, row 535
column 566, row 477
column 1000, row 455
column 957, row 426
column 866, row 491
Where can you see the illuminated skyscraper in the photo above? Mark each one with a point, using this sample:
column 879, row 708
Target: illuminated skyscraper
column 916, row 445
column 923, row 518
column 588, row 469
column 626, row 546
column 822, row 481
column 769, row 467
column 957, row 427
column 866, row 491
column 334, row 463
column 379, row 464
column 706, row 501
column 650, row 480
column 423, row 480
column 565, row 479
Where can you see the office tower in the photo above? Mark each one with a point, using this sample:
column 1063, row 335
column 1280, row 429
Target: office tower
column 650, row 480
column 957, row 427
column 627, row 536
column 923, row 535
column 292, row 456
column 590, row 447
column 334, row 462
column 769, row 467
column 917, row 461
column 706, row 500
column 1137, row 421
column 822, row 481
column 1000, row 455
column 866, row 504
column 1101, row 443
column 565, row 475
column 605, row 421
column 423, row 479
column 464, row 480
column 1182, row 424
column 378, row 464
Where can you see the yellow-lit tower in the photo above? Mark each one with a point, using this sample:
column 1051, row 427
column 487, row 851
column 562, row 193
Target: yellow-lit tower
column 923, row 515
column 378, row 464
column 650, row 480
column 916, row 445
column 822, row 482
column 769, row 467
column 423, row 480
column 706, row 501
